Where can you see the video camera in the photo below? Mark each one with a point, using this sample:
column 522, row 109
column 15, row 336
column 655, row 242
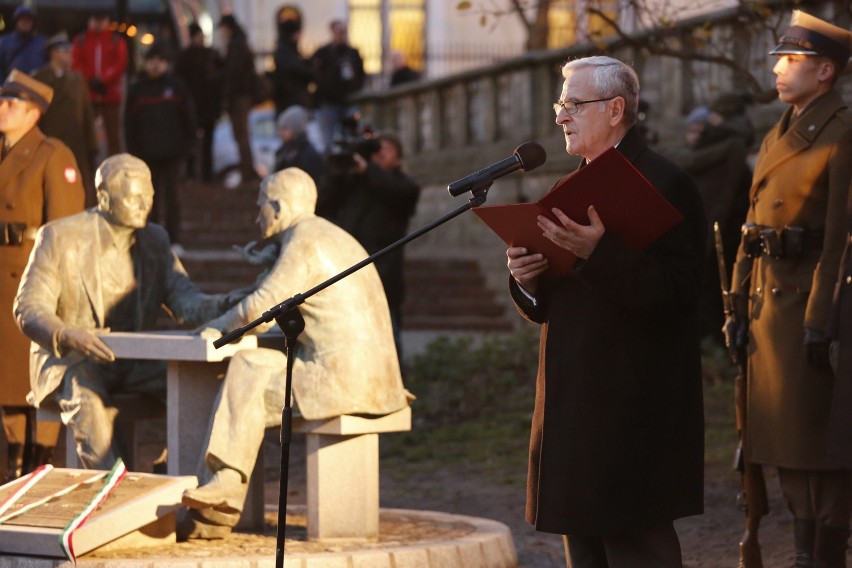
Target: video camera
column 355, row 139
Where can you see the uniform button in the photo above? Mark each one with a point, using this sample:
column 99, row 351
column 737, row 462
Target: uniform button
column 776, row 291
column 758, row 290
column 812, row 127
column 849, row 279
column 777, row 203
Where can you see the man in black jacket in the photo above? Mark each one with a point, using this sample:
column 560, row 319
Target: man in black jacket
column 293, row 73
column 160, row 129
column 617, row 445
column 374, row 204
column 339, row 73
column 240, row 89
column 201, row 69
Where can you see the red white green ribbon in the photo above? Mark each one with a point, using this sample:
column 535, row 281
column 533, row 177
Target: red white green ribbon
column 119, row 470
column 26, row 484
column 52, row 496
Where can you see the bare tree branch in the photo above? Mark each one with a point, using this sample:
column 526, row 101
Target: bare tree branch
column 660, row 43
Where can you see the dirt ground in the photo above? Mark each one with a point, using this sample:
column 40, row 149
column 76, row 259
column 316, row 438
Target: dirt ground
column 707, row 541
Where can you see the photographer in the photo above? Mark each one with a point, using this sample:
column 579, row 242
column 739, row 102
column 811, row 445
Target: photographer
column 373, row 201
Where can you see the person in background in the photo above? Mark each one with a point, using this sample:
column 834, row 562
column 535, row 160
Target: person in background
column 729, row 110
column 376, row 201
column 339, row 73
column 239, row 89
column 39, row 182
column 617, row 441
column 99, row 54
column 716, row 160
column 23, row 48
column 293, row 73
column 296, row 151
column 161, row 130
column 200, row 67
column 784, row 280
column 402, row 73
column 70, row 116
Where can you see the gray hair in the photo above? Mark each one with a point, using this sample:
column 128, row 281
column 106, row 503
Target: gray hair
column 294, row 187
column 611, row 78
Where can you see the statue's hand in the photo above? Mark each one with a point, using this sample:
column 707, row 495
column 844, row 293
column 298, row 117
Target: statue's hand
column 265, row 255
column 87, row 343
column 205, row 332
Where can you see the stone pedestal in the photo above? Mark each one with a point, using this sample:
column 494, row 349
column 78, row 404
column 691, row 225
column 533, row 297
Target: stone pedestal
column 343, row 473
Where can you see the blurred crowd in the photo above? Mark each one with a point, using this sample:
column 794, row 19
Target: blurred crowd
column 94, row 95
column 166, row 109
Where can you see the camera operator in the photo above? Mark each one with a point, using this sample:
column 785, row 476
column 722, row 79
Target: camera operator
column 373, row 200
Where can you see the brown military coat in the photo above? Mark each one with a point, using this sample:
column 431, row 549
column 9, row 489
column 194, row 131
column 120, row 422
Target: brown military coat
column 39, row 181
column 801, row 179
column 839, row 445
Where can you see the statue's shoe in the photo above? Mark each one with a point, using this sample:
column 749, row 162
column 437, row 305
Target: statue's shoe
column 225, row 493
column 190, row 526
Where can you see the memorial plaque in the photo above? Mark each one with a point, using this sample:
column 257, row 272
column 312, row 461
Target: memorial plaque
column 140, row 499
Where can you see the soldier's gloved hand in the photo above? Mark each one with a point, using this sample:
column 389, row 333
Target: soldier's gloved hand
column 87, row 343
column 816, row 348
column 735, row 331
column 98, row 86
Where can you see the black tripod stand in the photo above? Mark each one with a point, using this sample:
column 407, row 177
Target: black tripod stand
column 289, row 319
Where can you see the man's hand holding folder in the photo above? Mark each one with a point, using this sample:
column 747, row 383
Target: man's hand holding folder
column 609, row 189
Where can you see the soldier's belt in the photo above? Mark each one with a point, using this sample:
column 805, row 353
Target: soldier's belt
column 779, row 242
column 13, row 234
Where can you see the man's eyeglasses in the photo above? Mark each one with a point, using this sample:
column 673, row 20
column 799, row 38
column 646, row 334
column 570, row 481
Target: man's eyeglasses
column 573, row 107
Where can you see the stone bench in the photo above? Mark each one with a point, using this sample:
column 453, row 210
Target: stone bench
column 342, row 475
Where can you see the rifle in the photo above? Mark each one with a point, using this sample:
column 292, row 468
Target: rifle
column 752, row 496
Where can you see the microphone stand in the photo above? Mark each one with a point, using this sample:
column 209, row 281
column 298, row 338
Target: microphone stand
column 290, row 320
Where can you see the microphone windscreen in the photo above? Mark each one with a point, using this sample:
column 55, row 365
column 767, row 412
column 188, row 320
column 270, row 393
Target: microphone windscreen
column 531, row 155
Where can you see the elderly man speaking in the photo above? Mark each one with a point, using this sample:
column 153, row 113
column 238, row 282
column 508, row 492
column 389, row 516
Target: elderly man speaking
column 617, row 448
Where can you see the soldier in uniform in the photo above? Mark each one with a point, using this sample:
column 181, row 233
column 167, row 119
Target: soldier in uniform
column 786, row 269
column 39, row 181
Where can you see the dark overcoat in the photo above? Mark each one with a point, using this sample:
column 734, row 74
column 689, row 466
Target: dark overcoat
column 801, row 179
column 70, row 118
column 617, row 433
column 39, row 181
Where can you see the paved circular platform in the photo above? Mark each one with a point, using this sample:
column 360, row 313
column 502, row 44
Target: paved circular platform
column 408, row 539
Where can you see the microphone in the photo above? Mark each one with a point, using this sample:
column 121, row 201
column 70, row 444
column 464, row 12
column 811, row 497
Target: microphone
column 528, row 156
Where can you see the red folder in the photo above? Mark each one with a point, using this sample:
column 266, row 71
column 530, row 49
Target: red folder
column 628, row 205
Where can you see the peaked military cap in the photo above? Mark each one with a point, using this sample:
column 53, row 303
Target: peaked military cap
column 21, row 86
column 808, row 35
